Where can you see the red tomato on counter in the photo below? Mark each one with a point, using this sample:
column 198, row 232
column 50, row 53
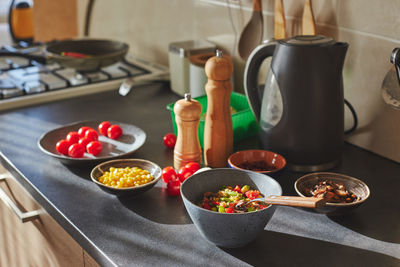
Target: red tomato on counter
column 114, row 131
column 193, row 166
column 92, row 135
column 84, row 141
column 76, row 151
column 72, row 137
column 174, row 188
column 94, row 148
column 62, row 146
column 184, row 173
column 169, row 140
column 169, row 174
column 82, row 131
column 103, row 127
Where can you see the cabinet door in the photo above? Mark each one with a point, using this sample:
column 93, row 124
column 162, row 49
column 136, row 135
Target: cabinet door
column 89, row 261
column 40, row 242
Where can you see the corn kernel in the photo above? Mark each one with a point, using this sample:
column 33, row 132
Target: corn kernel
column 125, row 177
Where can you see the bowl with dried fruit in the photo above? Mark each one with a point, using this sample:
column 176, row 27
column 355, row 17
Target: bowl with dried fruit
column 261, row 161
column 343, row 193
column 123, row 177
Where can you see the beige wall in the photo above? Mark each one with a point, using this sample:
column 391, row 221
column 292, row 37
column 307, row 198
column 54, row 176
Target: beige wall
column 372, row 28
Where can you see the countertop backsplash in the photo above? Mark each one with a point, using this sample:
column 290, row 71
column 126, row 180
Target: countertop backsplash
column 370, row 27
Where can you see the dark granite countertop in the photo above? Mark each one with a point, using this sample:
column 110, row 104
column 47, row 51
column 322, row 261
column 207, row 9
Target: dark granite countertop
column 154, row 229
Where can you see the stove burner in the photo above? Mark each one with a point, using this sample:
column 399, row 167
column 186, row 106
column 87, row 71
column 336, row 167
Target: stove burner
column 24, row 82
column 6, row 83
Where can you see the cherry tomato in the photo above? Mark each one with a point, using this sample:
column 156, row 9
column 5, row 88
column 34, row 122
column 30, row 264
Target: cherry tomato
column 206, row 206
column 92, row 135
column 83, row 130
column 76, row 150
column 103, row 127
column 94, row 148
column 169, row 140
column 174, row 188
column 184, row 173
column 62, row 146
column 169, row 174
column 252, row 194
column 229, row 210
column 114, row 131
column 192, row 166
column 72, row 137
column 238, row 189
column 84, row 141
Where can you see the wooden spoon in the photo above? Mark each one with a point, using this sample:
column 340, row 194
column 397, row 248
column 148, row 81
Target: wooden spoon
column 304, row 202
column 279, row 21
column 253, row 32
column 308, row 22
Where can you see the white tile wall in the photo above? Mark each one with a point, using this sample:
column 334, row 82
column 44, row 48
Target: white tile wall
column 372, row 28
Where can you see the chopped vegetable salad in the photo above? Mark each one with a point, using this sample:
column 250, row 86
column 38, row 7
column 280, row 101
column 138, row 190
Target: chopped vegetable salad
column 226, row 199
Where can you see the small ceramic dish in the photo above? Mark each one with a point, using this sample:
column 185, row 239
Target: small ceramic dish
column 153, row 168
column 304, row 185
column 261, row 161
column 131, row 140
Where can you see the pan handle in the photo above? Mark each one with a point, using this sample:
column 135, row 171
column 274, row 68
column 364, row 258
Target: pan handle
column 37, row 58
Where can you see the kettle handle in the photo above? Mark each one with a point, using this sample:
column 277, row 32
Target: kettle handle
column 10, row 20
column 253, row 64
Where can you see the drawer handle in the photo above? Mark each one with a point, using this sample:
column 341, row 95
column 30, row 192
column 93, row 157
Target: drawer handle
column 23, row 216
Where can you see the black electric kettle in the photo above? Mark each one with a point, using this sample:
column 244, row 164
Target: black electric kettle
column 301, row 110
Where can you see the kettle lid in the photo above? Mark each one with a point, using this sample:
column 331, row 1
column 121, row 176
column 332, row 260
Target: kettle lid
column 314, row 40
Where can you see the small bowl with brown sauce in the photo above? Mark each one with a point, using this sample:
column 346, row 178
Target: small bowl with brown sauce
column 260, row 161
column 343, row 193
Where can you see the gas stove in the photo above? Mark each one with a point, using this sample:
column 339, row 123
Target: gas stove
column 25, row 82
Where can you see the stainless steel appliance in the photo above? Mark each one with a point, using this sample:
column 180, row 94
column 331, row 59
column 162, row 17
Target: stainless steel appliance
column 26, row 82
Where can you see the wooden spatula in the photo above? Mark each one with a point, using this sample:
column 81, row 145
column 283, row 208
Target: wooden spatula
column 279, row 21
column 308, row 22
column 304, row 202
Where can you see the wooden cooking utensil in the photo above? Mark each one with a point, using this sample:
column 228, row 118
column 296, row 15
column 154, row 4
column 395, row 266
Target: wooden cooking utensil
column 304, row 202
column 253, row 32
column 279, row 21
column 308, row 22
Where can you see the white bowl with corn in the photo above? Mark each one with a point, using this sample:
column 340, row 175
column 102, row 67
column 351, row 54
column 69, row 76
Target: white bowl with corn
column 126, row 176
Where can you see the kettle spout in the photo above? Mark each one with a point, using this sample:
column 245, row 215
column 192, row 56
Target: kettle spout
column 339, row 51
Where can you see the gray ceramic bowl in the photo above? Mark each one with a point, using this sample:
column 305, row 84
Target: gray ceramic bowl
column 227, row 229
column 153, row 168
column 353, row 185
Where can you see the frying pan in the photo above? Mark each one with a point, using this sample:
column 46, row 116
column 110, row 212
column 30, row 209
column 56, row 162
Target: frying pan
column 97, row 53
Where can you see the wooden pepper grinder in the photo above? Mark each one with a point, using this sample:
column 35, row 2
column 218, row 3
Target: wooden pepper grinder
column 218, row 133
column 187, row 116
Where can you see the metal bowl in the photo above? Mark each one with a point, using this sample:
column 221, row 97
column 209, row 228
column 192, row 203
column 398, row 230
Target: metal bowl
column 353, row 185
column 227, row 229
column 153, row 168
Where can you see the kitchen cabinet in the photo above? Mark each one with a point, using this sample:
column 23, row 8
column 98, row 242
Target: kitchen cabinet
column 38, row 241
column 55, row 20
